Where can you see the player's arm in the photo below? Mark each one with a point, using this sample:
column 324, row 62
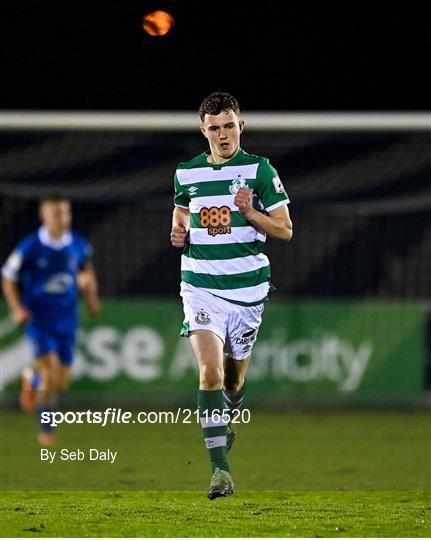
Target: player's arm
column 180, row 226
column 10, row 284
column 20, row 313
column 87, row 283
column 277, row 224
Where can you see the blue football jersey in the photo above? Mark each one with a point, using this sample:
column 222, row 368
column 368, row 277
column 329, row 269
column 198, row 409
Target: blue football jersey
column 47, row 270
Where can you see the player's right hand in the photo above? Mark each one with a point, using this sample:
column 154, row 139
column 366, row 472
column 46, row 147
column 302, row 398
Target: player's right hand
column 93, row 306
column 22, row 315
column 178, row 236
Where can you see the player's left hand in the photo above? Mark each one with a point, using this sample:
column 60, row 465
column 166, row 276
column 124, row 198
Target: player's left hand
column 243, row 199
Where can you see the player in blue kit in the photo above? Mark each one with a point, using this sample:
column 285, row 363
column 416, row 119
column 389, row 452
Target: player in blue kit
column 42, row 279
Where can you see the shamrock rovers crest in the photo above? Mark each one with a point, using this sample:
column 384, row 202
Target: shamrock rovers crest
column 202, row 317
column 239, row 182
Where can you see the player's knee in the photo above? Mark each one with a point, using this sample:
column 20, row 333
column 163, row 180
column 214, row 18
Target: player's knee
column 54, row 379
column 233, row 386
column 53, row 383
column 211, row 377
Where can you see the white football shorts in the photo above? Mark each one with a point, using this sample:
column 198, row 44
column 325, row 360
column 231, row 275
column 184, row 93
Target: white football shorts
column 236, row 325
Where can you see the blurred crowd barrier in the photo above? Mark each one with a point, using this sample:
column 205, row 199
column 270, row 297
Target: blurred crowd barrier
column 349, row 320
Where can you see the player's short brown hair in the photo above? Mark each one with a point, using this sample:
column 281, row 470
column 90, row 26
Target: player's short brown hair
column 52, row 198
column 218, row 102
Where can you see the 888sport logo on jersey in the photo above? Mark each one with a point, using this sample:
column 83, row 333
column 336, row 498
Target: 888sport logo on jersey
column 216, row 220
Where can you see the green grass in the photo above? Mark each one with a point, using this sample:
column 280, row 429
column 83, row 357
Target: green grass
column 250, row 513
column 297, row 474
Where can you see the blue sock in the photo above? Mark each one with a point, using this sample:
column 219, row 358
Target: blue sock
column 46, row 427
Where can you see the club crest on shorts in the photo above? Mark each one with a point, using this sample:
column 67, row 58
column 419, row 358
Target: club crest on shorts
column 202, row 317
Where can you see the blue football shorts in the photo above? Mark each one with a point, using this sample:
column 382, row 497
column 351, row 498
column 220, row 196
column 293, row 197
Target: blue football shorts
column 44, row 342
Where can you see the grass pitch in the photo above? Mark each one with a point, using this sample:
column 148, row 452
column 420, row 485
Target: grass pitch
column 296, row 474
column 250, row 513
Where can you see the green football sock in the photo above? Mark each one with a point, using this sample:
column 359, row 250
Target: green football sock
column 233, row 401
column 211, row 404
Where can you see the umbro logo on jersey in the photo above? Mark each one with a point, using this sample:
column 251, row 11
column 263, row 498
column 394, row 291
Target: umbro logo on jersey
column 239, row 182
column 192, row 190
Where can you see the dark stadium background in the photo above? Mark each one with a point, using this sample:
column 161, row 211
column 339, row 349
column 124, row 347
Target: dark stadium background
column 273, row 55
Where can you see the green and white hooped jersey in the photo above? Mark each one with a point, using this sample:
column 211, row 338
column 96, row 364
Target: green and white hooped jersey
column 224, row 254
